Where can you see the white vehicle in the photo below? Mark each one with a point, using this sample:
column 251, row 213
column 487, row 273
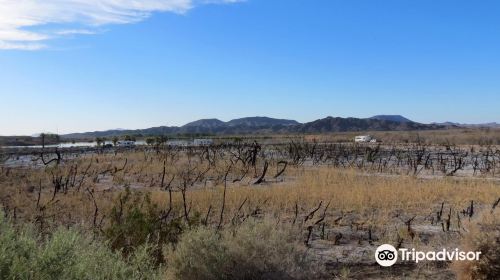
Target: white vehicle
column 363, row 139
column 125, row 143
column 203, row 142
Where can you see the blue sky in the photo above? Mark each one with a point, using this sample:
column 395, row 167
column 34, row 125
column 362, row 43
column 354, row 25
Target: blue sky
column 78, row 68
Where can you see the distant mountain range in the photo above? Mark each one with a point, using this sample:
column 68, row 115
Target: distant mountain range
column 253, row 122
column 331, row 124
column 265, row 125
column 394, row 118
column 481, row 125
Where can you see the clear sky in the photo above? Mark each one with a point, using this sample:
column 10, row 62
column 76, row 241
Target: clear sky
column 69, row 66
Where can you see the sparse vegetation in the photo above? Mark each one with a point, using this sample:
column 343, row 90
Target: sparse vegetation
column 224, row 207
column 484, row 237
column 253, row 250
column 67, row 254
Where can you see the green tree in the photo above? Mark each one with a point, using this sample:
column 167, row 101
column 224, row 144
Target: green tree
column 115, row 140
column 150, row 141
column 161, row 140
column 99, row 141
column 129, row 138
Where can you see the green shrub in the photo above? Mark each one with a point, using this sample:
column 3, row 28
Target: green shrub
column 135, row 220
column 254, row 250
column 67, row 254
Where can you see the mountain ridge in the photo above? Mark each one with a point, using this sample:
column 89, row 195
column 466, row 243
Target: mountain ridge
column 395, row 118
column 267, row 125
column 467, row 125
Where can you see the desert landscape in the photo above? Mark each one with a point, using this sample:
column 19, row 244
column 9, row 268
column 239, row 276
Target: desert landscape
column 249, row 140
column 304, row 208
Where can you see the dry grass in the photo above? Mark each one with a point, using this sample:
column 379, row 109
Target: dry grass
column 347, row 191
column 347, row 201
column 484, row 237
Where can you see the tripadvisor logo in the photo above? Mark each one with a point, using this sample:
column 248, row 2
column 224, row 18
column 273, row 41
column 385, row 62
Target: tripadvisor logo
column 386, row 255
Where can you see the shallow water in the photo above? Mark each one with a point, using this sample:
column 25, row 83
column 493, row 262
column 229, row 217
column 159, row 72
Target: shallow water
column 71, row 145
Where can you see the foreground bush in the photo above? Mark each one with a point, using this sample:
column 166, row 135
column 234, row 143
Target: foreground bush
column 136, row 221
column 66, row 254
column 255, row 250
column 483, row 236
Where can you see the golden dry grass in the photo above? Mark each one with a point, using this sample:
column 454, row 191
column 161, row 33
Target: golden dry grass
column 483, row 236
column 373, row 198
column 346, row 191
column 358, row 201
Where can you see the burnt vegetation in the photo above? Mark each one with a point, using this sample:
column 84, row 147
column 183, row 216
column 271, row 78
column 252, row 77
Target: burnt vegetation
column 154, row 195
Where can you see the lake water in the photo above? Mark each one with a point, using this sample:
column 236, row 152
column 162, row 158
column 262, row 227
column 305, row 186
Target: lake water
column 72, row 145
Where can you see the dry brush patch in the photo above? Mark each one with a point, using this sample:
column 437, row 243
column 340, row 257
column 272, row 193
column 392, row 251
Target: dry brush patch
column 347, row 190
column 483, row 236
column 174, row 191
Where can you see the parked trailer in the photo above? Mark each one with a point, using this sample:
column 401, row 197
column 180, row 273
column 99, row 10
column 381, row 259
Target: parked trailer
column 129, row 144
column 364, row 139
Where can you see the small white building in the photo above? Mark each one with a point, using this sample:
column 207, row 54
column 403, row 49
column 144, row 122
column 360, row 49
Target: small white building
column 364, row 139
column 125, row 143
column 203, row 142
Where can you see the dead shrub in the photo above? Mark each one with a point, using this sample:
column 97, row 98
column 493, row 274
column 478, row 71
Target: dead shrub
column 483, row 236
